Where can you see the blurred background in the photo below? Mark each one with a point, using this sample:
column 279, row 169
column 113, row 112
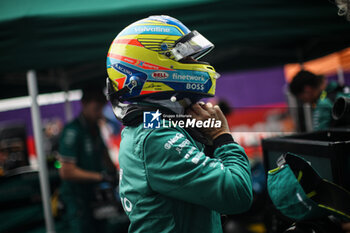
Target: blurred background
column 260, row 45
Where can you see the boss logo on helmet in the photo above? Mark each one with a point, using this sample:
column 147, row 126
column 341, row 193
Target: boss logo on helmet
column 195, row 86
column 160, row 75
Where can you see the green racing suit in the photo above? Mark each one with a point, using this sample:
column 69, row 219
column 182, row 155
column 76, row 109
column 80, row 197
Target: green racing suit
column 168, row 184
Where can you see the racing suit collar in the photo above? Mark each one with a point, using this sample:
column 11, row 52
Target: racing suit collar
column 177, row 107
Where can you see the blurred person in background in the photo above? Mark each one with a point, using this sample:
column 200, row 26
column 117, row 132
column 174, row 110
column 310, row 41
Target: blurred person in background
column 320, row 94
column 3, row 159
column 84, row 164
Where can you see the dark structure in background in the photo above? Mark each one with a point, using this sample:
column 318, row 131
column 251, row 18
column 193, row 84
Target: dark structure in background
column 328, row 153
column 341, row 111
column 326, row 150
column 13, row 147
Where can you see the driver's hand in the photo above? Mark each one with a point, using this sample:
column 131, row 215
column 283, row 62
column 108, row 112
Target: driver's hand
column 201, row 111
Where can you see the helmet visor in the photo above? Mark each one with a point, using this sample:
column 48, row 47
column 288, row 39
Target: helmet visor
column 192, row 44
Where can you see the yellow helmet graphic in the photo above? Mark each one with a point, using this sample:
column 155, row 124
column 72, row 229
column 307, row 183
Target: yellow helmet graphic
column 156, row 58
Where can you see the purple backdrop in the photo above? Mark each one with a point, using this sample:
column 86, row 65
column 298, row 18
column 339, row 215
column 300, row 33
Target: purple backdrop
column 256, row 88
column 252, row 88
column 47, row 112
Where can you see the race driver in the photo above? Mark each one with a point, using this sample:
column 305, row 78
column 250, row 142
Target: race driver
column 172, row 179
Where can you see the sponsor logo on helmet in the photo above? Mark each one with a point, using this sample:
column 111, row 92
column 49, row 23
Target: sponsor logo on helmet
column 195, row 86
column 160, row 75
column 151, row 29
column 187, row 77
column 122, row 69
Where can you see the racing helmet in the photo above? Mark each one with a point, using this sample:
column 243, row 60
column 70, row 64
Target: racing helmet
column 157, row 57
